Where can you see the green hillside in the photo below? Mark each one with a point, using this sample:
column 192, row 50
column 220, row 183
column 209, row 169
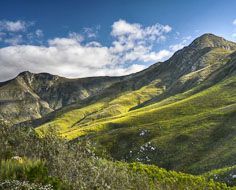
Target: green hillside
column 179, row 115
column 185, row 125
column 183, row 128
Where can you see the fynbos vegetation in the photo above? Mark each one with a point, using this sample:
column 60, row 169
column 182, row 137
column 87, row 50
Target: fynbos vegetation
column 170, row 126
column 48, row 162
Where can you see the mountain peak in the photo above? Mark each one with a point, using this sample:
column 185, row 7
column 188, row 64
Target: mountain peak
column 211, row 40
column 29, row 76
column 44, row 74
column 25, row 73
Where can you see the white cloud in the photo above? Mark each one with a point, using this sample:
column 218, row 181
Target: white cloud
column 63, row 43
column 93, row 44
column 72, row 56
column 17, row 32
column 141, row 53
column 133, row 42
column 234, row 22
column 14, row 26
column 124, row 30
column 34, row 37
column 176, row 47
column 70, row 61
column 121, row 27
column 234, row 34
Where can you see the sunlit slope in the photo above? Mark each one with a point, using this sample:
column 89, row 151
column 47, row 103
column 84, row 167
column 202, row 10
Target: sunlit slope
column 193, row 133
column 188, row 68
column 103, row 109
column 18, row 102
column 51, row 96
column 210, row 62
column 172, row 114
column 204, row 102
column 101, row 114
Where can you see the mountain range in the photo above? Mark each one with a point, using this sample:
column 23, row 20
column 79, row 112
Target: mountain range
column 179, row 114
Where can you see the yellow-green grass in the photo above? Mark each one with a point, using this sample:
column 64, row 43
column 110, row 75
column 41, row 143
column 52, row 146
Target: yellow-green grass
column 67, row 120
column 176, row 180
column 97, row 116
column 104, row 109
column 164, row 112
column 194, row 134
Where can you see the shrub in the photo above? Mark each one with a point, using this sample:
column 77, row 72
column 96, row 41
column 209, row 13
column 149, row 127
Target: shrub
column 23, row 185
column 74, row 165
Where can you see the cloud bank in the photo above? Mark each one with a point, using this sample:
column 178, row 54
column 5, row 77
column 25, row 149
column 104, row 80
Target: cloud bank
column 71, row 56
column 13, row 26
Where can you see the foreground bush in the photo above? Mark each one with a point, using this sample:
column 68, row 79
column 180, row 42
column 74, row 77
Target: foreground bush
column 53, row 158
column 33, row 171
column 226, row 175
column 20, row 185
column 176, row 180
column 66, row 165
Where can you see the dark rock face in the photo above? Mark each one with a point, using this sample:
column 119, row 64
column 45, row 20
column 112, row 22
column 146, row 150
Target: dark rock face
column 31, row 96
column 59, row 91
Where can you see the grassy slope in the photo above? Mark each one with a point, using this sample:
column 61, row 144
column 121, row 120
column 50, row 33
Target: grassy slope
column 226, row 174
column 104, row 108
column 176, row 180
column 195, row 134
column 192, row 132
column 74, row 123
column 144, row 87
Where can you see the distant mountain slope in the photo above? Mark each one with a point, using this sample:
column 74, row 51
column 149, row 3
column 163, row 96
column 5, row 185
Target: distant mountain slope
column 31, row 96
column 179, row 114
column 192, row 132
column 187, row 68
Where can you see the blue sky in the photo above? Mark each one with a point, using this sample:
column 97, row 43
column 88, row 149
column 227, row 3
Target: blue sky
column 103, row 37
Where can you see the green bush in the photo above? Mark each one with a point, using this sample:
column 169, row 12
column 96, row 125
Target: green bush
column 22, row 185
column 74, row 165
column 33, row 171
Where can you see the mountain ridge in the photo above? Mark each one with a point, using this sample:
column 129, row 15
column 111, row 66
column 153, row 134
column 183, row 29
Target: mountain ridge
column 178, row 114
column 59, row 92
column 186, row 115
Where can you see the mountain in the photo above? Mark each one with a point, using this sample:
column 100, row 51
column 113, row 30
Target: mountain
column 178, row 114
column 186, row 69
column 30, row 96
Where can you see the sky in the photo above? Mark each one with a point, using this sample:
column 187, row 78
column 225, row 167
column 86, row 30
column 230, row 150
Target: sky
column 82, row 38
